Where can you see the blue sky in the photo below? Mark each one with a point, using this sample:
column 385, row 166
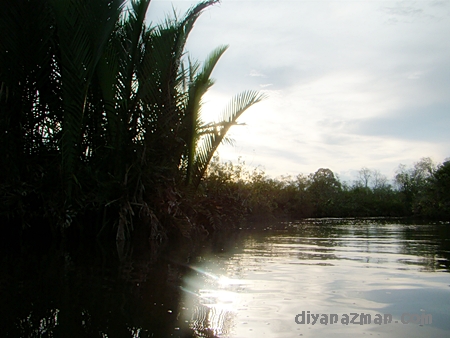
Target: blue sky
column 350, row 84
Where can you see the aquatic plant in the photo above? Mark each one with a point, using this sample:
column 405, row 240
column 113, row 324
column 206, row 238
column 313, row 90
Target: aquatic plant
column 100, row 116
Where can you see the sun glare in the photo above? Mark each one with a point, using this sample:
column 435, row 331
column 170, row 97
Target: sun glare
column 214, row 300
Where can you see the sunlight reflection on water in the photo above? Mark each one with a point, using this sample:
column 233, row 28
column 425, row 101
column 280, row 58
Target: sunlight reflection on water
column 258, row 287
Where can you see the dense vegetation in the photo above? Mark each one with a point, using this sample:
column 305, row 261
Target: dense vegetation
column 239, row 193
column 101, row 134
column 100, row 118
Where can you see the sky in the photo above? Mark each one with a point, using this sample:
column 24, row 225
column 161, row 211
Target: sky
column 349, row 84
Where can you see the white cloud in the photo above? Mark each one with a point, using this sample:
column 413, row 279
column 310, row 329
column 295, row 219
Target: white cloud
column 350, row 84
column 254, row 72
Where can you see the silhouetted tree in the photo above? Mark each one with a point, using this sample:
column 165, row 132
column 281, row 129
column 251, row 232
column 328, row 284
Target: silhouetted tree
column 323, row 189
column 412, row 182
column 100, row 116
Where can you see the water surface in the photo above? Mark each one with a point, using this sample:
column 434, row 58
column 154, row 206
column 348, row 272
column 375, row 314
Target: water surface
column 257, row 287
column 248, row 284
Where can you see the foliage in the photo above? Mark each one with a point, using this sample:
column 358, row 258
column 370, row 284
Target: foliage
column 437, row 194
column 243, row 193
column 323, row 188
column 100, row 116
column 413, row 183
column 101, row 124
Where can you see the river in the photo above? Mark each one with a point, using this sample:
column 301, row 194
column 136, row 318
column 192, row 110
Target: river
column 312, row 278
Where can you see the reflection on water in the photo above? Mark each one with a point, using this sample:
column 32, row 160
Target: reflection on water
column 248, row 284
column 258, row 286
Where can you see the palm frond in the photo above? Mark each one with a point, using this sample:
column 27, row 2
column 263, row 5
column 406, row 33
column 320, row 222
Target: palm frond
column 211, row 141
column 240, row 103
column 201, row 83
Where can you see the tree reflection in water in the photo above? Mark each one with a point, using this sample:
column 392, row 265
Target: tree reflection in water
column 91, row 292
column 247, row 283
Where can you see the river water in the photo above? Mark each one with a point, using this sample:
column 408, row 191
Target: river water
column 314, row 278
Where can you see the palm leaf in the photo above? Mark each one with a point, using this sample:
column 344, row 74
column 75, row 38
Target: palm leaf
column 201, row 83
column 217, row 132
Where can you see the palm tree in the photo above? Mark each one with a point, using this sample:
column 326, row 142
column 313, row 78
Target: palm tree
column 151, row 98
column 202, row 138
column 99, row 112
column 50, row 50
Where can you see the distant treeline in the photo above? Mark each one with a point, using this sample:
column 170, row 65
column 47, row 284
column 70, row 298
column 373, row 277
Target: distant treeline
column 420, row 191
column 101, row 135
